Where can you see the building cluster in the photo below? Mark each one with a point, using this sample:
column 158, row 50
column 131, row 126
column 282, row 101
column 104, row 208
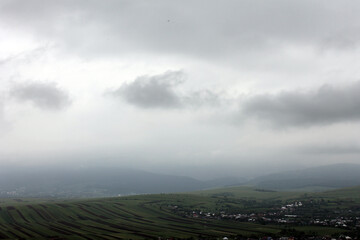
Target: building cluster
column 291, row 214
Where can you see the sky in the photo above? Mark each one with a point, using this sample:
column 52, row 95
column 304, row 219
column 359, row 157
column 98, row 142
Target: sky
column 186, row 87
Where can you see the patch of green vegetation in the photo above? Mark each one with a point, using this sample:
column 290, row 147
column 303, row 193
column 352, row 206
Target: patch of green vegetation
column 244, row 192
column 159, row 215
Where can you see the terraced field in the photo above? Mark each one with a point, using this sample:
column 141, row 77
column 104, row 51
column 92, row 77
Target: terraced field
column 135, row 217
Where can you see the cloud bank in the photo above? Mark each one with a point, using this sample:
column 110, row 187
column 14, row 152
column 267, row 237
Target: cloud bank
column 330, row 150
column 245, row 27
column 327, row 105
column 323, row 106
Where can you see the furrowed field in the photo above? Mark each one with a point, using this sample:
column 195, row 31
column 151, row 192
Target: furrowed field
column 146, row 216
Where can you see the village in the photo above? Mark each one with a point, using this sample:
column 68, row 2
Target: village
column 292, row 214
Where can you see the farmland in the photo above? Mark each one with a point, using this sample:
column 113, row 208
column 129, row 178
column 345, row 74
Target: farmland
column 157, row 215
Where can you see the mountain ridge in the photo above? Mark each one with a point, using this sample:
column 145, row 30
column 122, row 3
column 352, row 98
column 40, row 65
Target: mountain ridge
column 327, row 176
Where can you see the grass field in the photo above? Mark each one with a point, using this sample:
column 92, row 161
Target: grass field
column 143, row 216
column 250, row 193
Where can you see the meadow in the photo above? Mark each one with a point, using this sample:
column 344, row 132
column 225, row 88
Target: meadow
column 153, row 216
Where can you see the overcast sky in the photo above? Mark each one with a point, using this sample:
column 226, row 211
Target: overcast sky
column 175, row 84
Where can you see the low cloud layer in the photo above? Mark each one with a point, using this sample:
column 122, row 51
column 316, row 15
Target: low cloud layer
column 46, row 96
column 331, row 150
column 327, row 105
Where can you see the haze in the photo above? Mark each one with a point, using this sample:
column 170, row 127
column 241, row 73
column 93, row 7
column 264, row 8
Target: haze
column 195, row 88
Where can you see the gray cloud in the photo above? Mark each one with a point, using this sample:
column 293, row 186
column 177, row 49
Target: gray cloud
column 43, row 95
column 153, row 91
column 161, row 91
column 327, row 105
column 203, row 98
column 186, row 27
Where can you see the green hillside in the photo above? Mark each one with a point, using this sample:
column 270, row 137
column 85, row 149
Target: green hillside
column 151, row 216
column 343, row 193
column 244, row 192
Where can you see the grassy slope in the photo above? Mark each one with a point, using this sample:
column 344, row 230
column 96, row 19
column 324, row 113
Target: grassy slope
column 249, row 193
column 260, row 194
column 139, row 217
column 343, row 193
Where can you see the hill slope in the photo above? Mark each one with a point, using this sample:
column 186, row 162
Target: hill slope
column 145, row 216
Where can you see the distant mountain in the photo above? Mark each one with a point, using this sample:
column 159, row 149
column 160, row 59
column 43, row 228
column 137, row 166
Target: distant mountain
column 105, row 181
column 317, row 178
column 96, row 182
column 225, row 182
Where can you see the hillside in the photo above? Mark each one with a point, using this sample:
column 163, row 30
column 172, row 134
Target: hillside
column 248, row 193
column 317, row 178
column 159, row 215
column 352, row 193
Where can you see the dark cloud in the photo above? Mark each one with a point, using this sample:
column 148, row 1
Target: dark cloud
column 237, row 28
column 161, row 91
column 153, row 91
column 43, row 95
column 327, row 105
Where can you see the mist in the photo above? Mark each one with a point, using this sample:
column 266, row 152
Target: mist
column 239, row 90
